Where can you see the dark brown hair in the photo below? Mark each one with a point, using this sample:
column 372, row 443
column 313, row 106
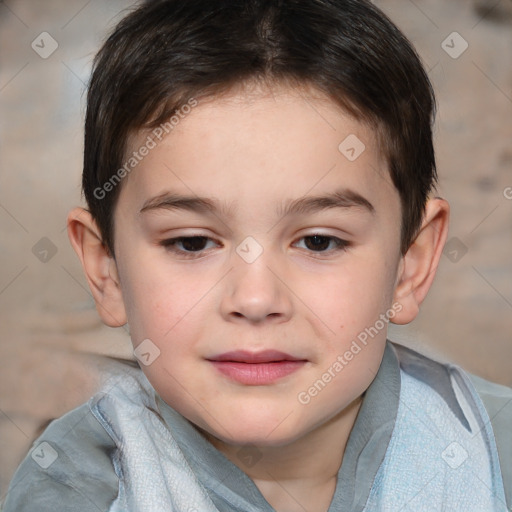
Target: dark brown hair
column 168, row 51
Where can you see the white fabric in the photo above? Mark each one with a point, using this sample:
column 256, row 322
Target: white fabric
column 153, row 473
column 432, row 463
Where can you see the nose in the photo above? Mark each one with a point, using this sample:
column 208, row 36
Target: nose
column 255, row 293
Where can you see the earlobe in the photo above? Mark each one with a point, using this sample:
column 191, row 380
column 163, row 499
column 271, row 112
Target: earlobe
column 99, row 267
column 419, row 264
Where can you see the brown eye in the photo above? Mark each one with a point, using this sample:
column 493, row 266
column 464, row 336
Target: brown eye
column 317, row 242
column 193, row 243
column 321, row 244
column 187, row 243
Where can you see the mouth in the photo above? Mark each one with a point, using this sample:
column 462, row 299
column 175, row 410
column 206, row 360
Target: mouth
column 256, row 368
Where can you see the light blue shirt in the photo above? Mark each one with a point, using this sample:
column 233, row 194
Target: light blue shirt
column 102, row 465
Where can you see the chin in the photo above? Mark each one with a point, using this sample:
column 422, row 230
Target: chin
column 258, row 433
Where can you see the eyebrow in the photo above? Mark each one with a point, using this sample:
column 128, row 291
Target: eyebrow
column 168, row 201
column 343, row 198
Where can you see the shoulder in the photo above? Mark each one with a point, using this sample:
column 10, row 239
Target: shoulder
column 439, row 377
column 496, row 398
column 496, row 401
column 69, row 467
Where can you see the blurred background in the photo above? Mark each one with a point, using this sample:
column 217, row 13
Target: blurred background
column 53, row 348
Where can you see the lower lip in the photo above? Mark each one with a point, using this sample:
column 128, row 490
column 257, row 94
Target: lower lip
column 257, row 374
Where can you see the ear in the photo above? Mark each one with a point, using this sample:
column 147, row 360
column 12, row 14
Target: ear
column 99, row 267
column 418, row 266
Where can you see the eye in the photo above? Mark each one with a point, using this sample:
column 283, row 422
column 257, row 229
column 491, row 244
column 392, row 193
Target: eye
column 188, row 244
column 321, row 243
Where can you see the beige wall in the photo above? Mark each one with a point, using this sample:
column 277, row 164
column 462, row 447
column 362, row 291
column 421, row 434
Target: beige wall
column 50, row 335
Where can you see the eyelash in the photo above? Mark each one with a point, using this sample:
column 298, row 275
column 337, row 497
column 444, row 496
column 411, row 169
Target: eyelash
column 170, row 245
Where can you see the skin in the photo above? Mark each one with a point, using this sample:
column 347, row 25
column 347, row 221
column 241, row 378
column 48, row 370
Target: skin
column 252, row 153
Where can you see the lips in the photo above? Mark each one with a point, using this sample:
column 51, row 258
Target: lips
column 265, row 356
column 256, row 368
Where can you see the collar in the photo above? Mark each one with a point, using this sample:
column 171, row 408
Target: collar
column 231, row 489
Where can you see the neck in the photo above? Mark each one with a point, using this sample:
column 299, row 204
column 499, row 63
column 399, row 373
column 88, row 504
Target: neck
column 304, row 470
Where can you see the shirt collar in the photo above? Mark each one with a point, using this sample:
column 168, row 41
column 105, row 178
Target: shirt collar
column 369, row 437
column 229, row 486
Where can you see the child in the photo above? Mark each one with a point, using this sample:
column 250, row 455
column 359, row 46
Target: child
column 259, row 178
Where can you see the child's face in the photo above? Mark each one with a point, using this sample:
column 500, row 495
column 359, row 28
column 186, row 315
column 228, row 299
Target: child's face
column 308, row 297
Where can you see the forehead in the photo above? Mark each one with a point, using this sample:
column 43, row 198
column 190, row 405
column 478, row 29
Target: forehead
column 257, row 148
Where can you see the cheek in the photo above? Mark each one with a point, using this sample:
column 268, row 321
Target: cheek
column 351, row 298
column 172, row 314
column 159, row 299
